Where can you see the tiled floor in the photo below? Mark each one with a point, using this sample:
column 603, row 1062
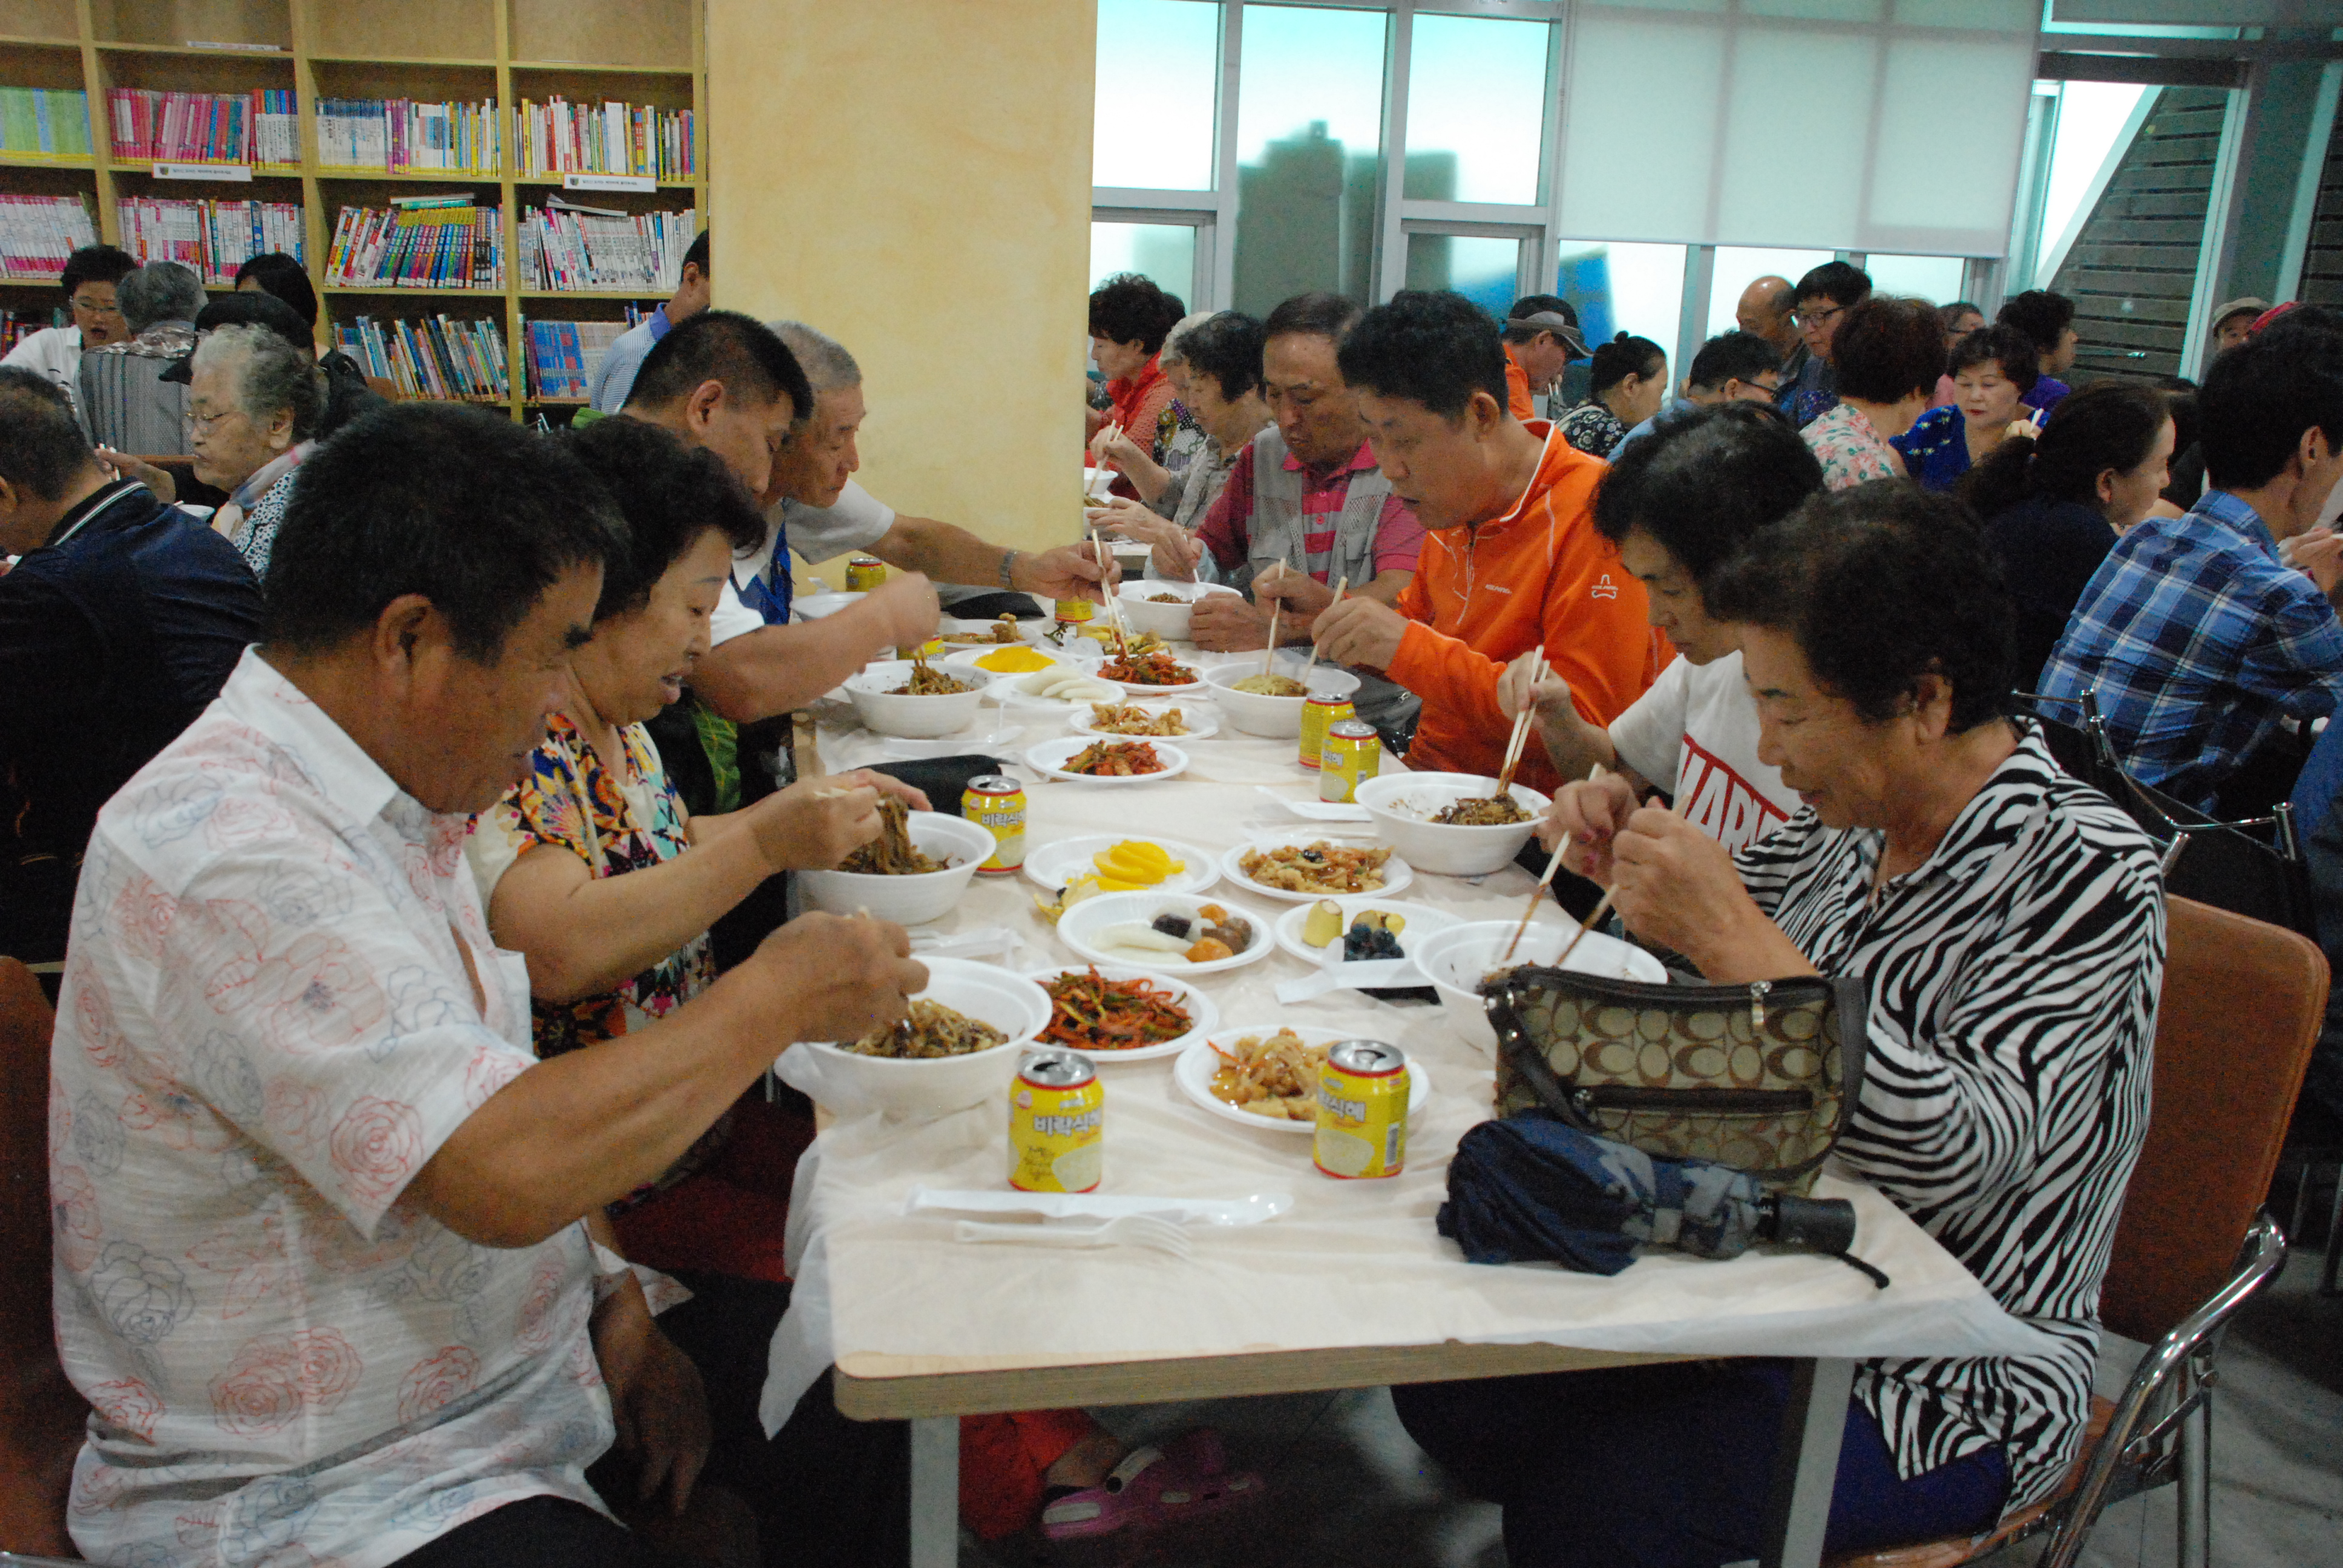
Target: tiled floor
column 1349, row 1489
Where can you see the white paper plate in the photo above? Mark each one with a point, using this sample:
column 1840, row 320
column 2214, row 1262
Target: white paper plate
column 1048, row 757
column 1206, row 1017
column 1052, row 866
column 1192, row 688
column 1079, row 926
column 1423, row 919
column 1202, row 721
column 1197, row 1064
column 1397, row 873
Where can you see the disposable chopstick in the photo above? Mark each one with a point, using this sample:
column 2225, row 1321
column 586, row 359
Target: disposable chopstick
column 1341, row 584
column 1113, row 611
column 1522, row 723
column 1268, row 655
column 1553, row 863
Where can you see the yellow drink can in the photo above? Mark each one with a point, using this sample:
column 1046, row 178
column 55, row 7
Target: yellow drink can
column 1075, row 611
column 864, row 573
column 997, row 804
column 1351, row 754
column 1363, row 1091
column 931, row 649
column 1056, row 1124
column 1318, row 711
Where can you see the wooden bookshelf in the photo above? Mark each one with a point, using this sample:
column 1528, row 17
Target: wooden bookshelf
column 644, row 51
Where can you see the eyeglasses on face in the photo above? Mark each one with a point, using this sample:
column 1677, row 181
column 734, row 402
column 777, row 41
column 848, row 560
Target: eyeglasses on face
column 90, row 305
column 205, row 423
column 1816, row 318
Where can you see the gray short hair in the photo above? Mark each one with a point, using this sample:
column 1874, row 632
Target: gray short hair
column 160, row 291
column 823, row 358
column 1170, row 354
column 272, row 376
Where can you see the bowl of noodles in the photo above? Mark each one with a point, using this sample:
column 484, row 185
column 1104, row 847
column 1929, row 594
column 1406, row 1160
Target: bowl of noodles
column 959, row 1045
column 1152, row 604
column 1452, row 824
column 916, row 701
column 916, row 871
column 1269, row 703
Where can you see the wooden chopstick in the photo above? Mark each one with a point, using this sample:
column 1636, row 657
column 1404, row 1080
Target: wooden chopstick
column 1522, row 723
column 1268, row 655
column 1340, row 587
column 1553, row 862
column 1113, row 611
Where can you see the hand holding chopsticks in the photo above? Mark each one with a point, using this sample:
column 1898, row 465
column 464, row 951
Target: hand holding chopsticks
column 1552, row 863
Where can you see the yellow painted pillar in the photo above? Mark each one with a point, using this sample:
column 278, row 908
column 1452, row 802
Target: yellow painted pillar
column 913, row 178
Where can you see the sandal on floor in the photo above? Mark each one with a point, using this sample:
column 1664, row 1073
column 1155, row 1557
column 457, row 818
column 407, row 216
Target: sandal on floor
column 1153, row 1487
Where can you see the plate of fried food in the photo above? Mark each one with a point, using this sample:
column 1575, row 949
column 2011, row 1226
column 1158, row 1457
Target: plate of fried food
column 1006, row 632
column 1081, row 760
column 1153, row 673
column 1191, row 722
column 1121, row 1012
column 1309, row 867
column 1266, row 1075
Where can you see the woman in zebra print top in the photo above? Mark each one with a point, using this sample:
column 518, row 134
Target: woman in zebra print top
column 2008, row 922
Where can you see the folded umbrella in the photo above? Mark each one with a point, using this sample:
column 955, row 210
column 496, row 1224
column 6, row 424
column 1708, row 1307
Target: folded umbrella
column 1533, row 1188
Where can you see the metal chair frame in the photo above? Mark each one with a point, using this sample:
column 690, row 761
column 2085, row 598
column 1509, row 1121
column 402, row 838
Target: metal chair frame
column 2161, row 1430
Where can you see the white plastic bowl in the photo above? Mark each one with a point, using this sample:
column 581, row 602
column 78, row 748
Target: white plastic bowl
column 1009, row 1002
column 1277, row 717
column 962, row 845
column 1442, row 848
column 814, row 606
column 872, row 691
column 1168, row 621
column 1456, row 959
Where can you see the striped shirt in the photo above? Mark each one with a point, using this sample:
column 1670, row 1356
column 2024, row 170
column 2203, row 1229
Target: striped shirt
column 2012, row 979
column 2198, row 639
column 1227, row 528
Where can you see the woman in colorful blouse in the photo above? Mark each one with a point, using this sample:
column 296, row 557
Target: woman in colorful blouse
column 1993, row 369
column 1629, row 383
column 592, row 869
column 1887, row 354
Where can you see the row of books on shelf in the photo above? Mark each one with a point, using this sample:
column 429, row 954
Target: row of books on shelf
column 563, row 356
column 44, row 120
column 428, row 242
column 559, row 136
column 401, row 134
column 573, row 248
column 261, row 127
column 37, row 233
column 215, row 237
column 440, row 356
column 16, row 326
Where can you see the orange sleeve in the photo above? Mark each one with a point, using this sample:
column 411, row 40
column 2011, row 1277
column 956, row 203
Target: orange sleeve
column 1453, row 681
column 1598, row 634
column 1517, row 390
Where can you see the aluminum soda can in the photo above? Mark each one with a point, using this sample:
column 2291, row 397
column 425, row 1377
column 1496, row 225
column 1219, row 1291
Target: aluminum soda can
column 1074, row 611
column 1057, row 1123
column 864, row 573
column 997, row 804
column 1363, row 1091
column 1318, row 711
column 1351, row 754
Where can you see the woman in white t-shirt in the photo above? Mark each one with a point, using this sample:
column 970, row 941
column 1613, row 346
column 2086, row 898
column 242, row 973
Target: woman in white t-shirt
column 1678, row 504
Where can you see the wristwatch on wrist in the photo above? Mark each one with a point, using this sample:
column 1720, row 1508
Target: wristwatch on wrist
column 1009, row 569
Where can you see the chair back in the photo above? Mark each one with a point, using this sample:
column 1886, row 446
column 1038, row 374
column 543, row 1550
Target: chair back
column 41, row 1416
column 2243, row 1000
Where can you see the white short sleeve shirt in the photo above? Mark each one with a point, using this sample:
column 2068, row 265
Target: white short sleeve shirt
column 857, row 522
column 269, row 1024
column 1695, row 734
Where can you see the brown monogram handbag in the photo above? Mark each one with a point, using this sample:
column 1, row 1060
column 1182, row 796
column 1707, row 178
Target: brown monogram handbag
column 1758, row 1077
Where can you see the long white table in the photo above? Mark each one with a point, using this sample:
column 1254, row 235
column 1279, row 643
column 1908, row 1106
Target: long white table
column 1351, row 1288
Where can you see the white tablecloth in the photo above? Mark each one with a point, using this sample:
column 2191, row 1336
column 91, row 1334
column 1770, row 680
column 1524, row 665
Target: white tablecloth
column 1354, row 1263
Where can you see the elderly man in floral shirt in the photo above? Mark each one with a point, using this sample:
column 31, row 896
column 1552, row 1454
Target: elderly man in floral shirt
column 330, row 1261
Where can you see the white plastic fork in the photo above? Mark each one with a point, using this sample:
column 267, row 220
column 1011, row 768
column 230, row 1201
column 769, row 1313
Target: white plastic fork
column 1130, row 1230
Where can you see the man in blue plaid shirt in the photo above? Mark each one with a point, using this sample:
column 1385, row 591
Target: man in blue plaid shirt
column 2198, row 637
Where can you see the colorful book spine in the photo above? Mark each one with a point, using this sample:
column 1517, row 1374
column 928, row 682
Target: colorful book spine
column 38, row 231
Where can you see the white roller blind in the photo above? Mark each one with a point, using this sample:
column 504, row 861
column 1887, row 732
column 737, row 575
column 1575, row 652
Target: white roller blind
column 1841, row 125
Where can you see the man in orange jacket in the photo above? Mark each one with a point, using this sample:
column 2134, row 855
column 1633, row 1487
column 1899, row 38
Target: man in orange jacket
column 1541, row 339
column 1510, row 558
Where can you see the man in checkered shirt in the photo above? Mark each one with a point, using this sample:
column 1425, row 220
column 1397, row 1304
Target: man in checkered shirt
column 2197, row 633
